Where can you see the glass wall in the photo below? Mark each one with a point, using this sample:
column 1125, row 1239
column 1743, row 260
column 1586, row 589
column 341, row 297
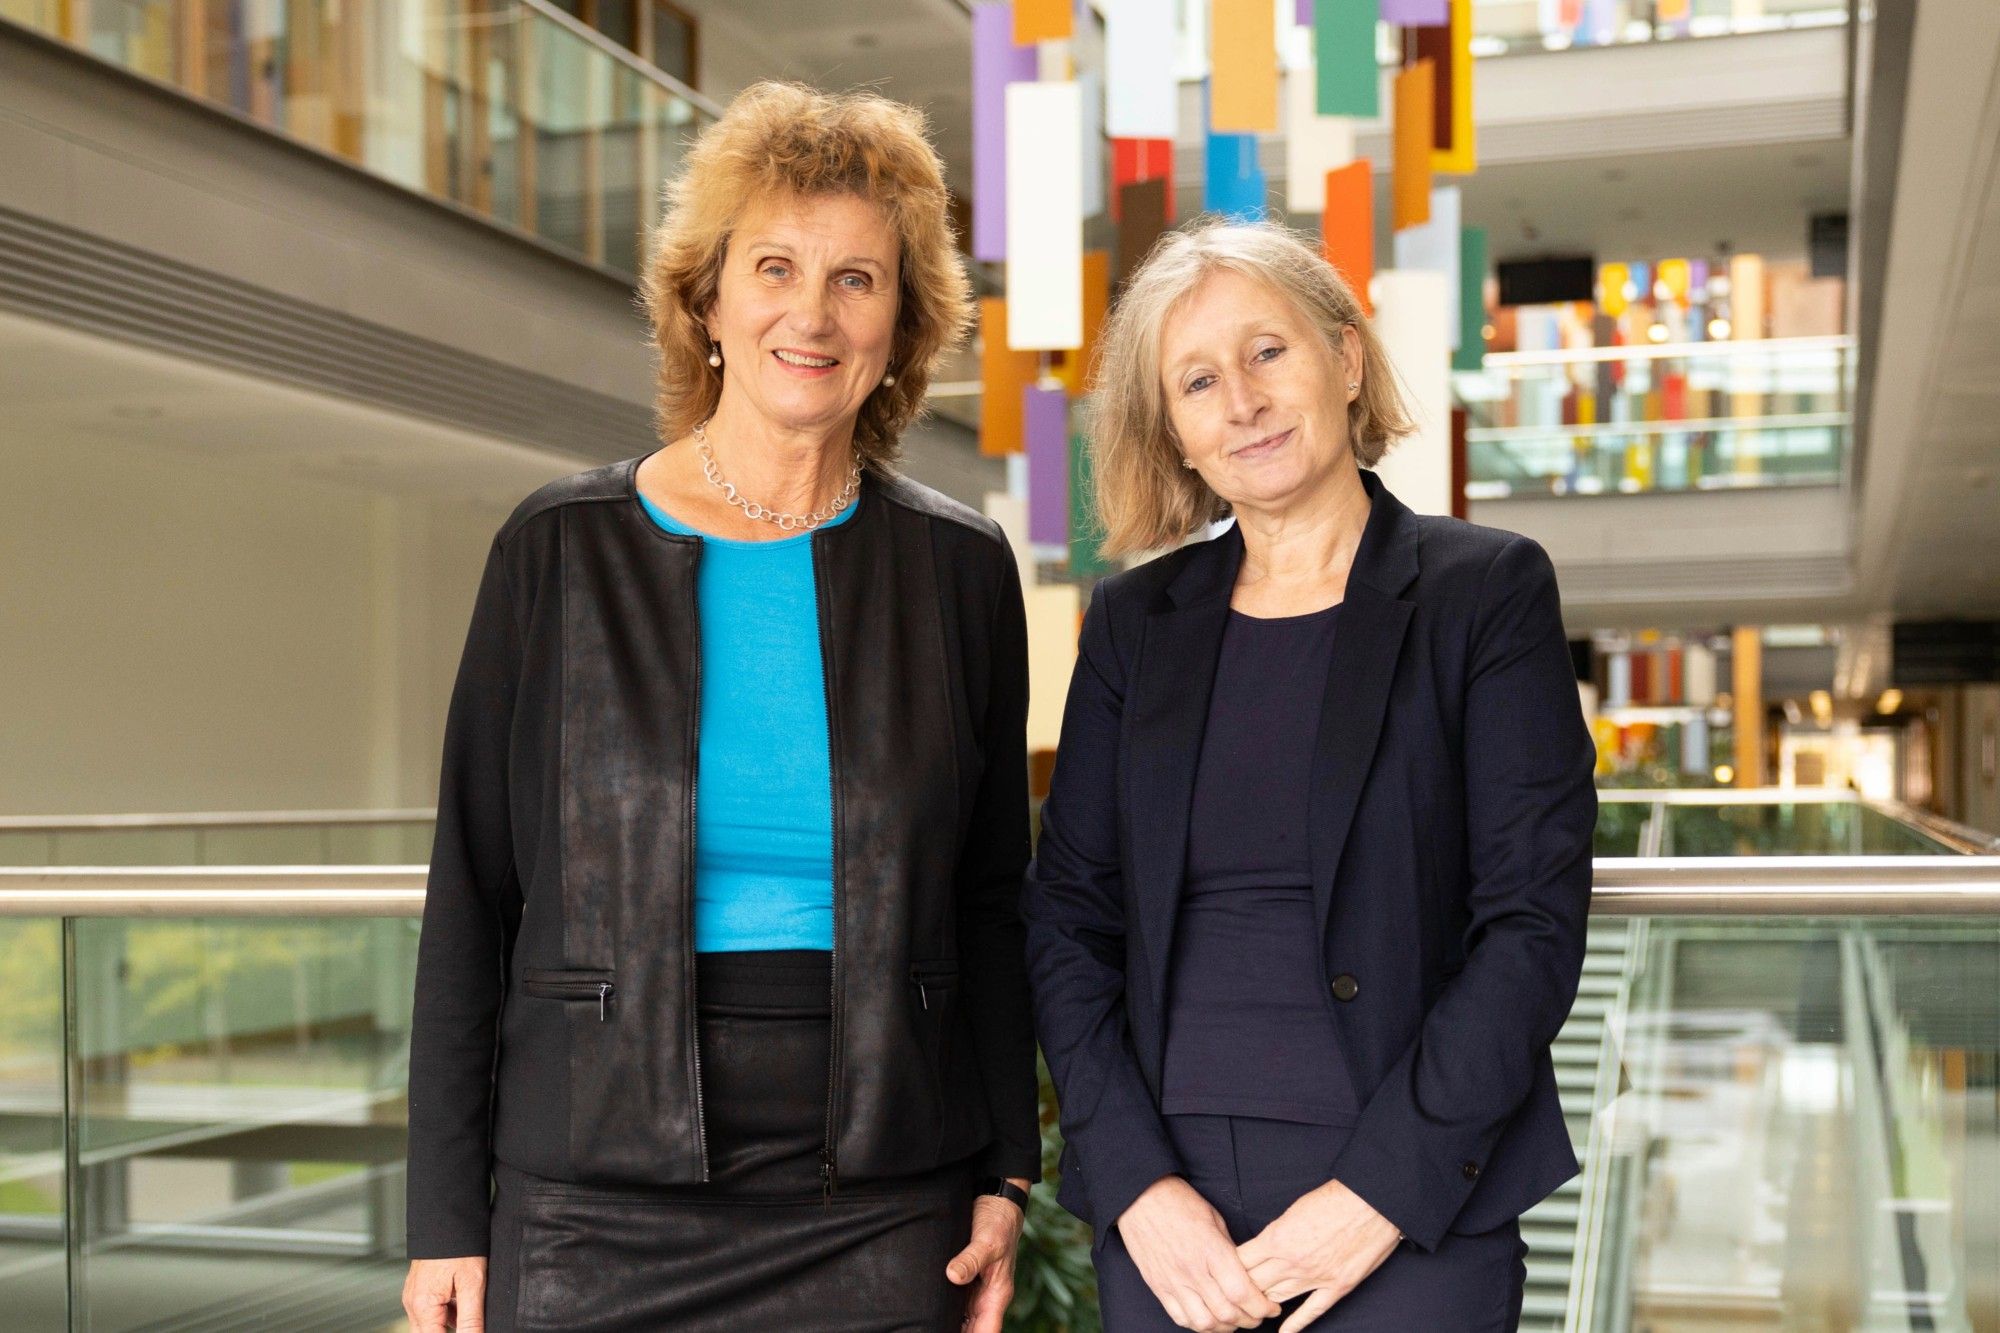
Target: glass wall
column 509, row 108
column 33, row 1275
column 1805, row 1137
column 1694, row 416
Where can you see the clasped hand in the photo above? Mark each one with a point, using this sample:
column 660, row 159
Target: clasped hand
column 1325, row 1243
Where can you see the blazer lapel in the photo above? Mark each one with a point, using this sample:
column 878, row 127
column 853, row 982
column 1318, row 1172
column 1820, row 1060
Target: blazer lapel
column 1373, row 623
column 1166, row 714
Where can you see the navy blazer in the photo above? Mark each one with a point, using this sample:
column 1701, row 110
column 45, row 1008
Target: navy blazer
column 1452, row 809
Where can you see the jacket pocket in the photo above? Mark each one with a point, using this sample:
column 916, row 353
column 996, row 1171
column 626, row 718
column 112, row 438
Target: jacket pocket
column 592, row 985
column 936, row 984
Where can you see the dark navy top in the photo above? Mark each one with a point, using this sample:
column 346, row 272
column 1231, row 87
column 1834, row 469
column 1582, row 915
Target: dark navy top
column 1250, row 1027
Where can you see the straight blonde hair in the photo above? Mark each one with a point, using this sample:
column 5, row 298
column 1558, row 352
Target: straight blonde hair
column 1145, row 499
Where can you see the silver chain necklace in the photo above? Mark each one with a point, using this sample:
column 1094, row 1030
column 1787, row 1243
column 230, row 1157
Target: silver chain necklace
column 787, row 522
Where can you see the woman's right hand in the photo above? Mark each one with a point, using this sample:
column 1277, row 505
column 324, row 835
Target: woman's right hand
column 442, row 1294
column 1182, row 1248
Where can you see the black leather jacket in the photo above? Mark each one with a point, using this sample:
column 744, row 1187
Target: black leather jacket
column 554, row 1018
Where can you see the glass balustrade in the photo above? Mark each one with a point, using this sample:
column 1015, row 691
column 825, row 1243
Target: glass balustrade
column 1801, row 1130
column 1770, row 821
column 1502, row 26
column 1691, row 416
column 508, row 108
column 33, row 1197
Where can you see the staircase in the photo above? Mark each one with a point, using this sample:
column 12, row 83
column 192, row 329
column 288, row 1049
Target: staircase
column 1554, row 1228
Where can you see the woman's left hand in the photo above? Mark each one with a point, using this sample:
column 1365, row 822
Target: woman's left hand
column 988, row 1260
column 1325, row 1244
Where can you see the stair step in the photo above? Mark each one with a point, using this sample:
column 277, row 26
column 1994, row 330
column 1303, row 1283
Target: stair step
column 1546, row 1238
column 1548, row 1272
column 1545, row 1304
column 1590, row 1006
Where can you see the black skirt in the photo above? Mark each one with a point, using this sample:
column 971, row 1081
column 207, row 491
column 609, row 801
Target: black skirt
column 759, row 1246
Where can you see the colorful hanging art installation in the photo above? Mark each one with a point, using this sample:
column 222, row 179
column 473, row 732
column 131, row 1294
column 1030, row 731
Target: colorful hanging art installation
column 1077, row 113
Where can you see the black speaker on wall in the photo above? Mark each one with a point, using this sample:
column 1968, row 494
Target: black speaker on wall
column 1826, row 242
column 1546, row 281
column 1945, row 652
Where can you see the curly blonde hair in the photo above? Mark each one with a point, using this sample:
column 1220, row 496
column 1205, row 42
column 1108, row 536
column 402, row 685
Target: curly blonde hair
column 781, row 139
column 1145, row 498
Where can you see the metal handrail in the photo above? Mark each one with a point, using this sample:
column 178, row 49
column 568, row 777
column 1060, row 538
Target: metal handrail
column 211, row 819
column 1745, row 349
column 1725, row 795
column 1964, row 837
column 219, row 891
column 1622, row 887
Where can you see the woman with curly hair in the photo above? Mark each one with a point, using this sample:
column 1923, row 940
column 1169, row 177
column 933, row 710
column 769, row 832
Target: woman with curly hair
column 721, row 1016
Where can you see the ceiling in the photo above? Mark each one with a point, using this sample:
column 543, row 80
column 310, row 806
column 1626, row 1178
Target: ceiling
column 65, row 388
column 916, row 51
column 1753, row 199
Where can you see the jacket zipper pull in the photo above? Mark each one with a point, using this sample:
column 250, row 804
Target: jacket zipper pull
column 826, row 1179
column 603, row 998
column 924, row 995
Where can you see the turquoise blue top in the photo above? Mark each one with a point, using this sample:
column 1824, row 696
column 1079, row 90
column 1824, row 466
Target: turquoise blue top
column 763, row 833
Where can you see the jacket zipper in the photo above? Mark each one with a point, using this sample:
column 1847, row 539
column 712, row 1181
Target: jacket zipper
column 573, row 990
column 828, row 1168
column 687, row 925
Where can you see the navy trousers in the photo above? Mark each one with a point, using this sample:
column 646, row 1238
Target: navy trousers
column 1252, row 1170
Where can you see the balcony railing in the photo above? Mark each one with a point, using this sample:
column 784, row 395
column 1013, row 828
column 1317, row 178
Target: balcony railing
column 1680, row 417
column 510, row 109
column 1780, row 1075
column 1507, row 26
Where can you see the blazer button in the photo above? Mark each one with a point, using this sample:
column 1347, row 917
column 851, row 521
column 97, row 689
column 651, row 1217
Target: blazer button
column 1344, row 987
column 1470, row 1170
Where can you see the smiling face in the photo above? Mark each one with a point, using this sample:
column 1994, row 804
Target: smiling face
column 806, row 310
column 1257, row 399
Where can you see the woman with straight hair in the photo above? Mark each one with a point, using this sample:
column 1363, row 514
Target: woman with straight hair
column 1309, row 901
column 721, row 1011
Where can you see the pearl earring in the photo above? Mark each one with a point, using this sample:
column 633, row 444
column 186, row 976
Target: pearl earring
column 1188, row 463
column 715, row 354
column 1352, row 385
column 888, row 381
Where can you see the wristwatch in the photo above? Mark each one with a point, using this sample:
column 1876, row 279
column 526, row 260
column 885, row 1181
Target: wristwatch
column 1006, row 1189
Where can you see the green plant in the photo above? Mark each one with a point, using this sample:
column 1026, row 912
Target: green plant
column 1055, row 1288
